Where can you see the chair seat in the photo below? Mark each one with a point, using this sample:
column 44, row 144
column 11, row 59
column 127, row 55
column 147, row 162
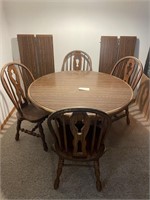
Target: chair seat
column 80, row 157
column 33, row 113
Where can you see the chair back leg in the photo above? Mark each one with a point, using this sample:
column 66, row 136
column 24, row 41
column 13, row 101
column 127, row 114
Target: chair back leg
column 18, row 129
column 42, row 136
column 59, row 171
column 97, row 174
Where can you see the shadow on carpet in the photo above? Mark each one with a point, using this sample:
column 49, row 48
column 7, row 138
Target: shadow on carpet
column 27, row 172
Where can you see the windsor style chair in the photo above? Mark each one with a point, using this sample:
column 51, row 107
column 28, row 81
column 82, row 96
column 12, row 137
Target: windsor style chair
column 129, row 69
column 16, row 78
column 79, row 135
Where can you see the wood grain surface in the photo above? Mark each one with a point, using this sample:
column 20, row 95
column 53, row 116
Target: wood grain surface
column 61, row 90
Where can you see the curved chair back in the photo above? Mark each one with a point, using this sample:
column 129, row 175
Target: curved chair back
column 79, row 132
column 16, row 79
column 129, row 69
column 77, row 60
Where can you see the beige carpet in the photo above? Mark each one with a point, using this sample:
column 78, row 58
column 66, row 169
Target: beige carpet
column 27, row 172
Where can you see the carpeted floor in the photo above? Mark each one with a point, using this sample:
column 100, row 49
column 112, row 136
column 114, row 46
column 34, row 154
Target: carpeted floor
column 27, row 172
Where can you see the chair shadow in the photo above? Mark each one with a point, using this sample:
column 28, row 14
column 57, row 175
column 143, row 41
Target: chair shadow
column 122, row 142
column 4, row 109
column 142, row 100
column 136, row 133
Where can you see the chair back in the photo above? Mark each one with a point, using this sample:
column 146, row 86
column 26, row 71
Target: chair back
column 129, row 69
column 77, row 60
column 79, row 132
column 16, row 78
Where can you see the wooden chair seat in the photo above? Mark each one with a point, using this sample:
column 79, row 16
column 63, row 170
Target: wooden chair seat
column 89, row 156
column 33, row 113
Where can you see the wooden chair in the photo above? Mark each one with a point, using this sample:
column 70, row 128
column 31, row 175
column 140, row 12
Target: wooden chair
column 129, row 69
column 79, row 136
column 16, row 78
column 77, row 60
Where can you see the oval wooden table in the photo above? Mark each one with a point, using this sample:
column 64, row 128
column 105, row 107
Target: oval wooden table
column 80, row 89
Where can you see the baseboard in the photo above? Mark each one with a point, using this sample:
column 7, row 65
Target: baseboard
column 7, row 118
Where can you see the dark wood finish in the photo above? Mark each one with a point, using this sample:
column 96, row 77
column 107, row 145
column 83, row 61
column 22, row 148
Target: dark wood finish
column 126, row 46
column 79, row 135
column 36, row 52
column 45, row 54
column 16, row 79
column 130, row 70
column 112, row 49
column 62, row 89
column 77, row 60
column 108, row 53
column 27, row 50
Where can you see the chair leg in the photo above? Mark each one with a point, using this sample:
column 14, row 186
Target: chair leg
column 18, row 129
column 127, row 116
column 42, row 137
column 59, row 171
column 97, row 174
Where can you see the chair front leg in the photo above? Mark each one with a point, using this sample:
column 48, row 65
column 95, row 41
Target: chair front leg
column 18, row 129
column 127, row 116
column 42, row 137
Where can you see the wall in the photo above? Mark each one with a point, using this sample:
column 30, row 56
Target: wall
column 78, row 24
column 5, row 56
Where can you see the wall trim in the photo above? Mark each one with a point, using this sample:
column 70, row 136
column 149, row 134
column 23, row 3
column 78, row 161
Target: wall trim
column 7, row 118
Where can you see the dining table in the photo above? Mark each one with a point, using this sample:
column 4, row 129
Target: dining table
column 88, row 89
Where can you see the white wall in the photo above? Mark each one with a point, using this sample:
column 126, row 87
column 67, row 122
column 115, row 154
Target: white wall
column 5, row 56
column 79, row 24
